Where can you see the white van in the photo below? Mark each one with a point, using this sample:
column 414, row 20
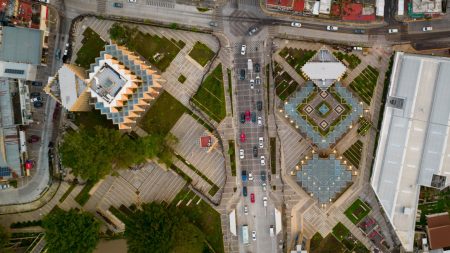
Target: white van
column 271, row 232
column 250, row 65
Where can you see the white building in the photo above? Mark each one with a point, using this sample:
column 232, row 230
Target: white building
column 413, row 148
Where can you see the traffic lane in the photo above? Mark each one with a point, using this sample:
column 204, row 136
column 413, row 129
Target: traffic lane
column 437, row 25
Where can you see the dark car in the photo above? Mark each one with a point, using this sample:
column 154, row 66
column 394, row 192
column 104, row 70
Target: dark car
column 253, row 117
column 252, row 31
column 244, row 191
column 242, row 117
column 33, row 138
column 213, row 24
column 257, row 68
column 38, row 104
column 359, row 31
column 242, row 74
column 118, row 5
column 255, row 151
column 263, row 176
column 36, row 83
column 259, row 105
column 35, row 94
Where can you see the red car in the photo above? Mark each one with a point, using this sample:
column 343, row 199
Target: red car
column 242, row 137
column 252, row 198
column 33, row 138
column 247, row 115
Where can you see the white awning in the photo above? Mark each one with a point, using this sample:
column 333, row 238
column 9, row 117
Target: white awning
column 233, row 222
column 278, row 223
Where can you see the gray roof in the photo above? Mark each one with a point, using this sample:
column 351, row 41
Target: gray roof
column 413, row 144
column 22, row 45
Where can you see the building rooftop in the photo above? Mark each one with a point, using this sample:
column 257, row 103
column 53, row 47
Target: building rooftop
column 324, row 69
column 427, row 6
column 21, row 45
column 413, row 143
column 439, row 230
column 71, row 85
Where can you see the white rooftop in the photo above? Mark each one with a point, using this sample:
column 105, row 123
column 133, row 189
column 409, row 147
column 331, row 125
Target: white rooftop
column 70, row 86
column 413, row 144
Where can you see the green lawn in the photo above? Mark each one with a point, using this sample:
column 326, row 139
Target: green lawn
column 352, row 60
column 232, row 153
column 159, row 51
column 210, row 96
column 162, row 115
column 273, row 155
column 296, row 57
column 340, row 231
column 347, row 240
column 92, row 45
column 91, row 119
column 329, row 244
column 181, row 79
column 433, row 201
column 230, row 89
column 201, row 53
column 357, row 211
column 364, row 84
column 119, row 214
column 84, row 196
column 284, row 84
column 353, row 154
column 203, row 216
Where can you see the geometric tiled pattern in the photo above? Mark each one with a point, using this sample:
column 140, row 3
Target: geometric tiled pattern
column 324, row 178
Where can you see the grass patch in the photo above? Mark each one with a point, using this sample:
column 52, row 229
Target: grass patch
column 284, row 84
column 13, row 183
column 202, row 9
column 329, row 244
column 92, row 119
column 181, row 79
column 340, row 231
column 92, row 46
column 364, row 84
column 26, row 224
column 203, row 216
column 433, row 201
column 364, row 126
column 296, row 57
column 84, row 196
column 63, row 197
column 273, row 155
column 352, row 60
column 316, row 240
column 268, row 86
column 353, row 154
column 119, row 214
column 232, row 153
column 357, row 211
column 181, row 173
column 201, row 53
column 210, row 96
column 230, row 89
column 162, row 115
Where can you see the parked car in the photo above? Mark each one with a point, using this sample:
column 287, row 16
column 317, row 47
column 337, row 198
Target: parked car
column 252, row 197
column 247, row 115
column 254, row 117
column 252, row 31
column 254, row 235
column 296, row 24
column 260, row 121
column 263, row 176
column 243, row 49
column 132, row 1
column 265, row 201
column 35, row 94
column 242, row 137
column 118, row 5
column 35, row 83
column 242, row 74
column 244, row 191
column 36, row 99
column 257, row 68
column 213, row 24
column 259, row 105
column 357, row 48
column 257, row 80
column 252, row 84
column 263, row 160
column 246, row 210
column 393, row 30
column 332, row 28
column 33, row 139
column 38, row 104
column 359, row 31
column 250, row 176
column 261, row 142
column 427, row 29
column 241, row 153
column 255, row 151
column 242, row 119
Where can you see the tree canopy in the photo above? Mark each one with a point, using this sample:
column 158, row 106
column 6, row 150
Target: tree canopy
column 4, row 238
column 71, row 231
column 92, row 153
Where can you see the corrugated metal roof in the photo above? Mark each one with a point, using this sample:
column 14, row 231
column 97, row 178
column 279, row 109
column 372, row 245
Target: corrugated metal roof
column 22, row 45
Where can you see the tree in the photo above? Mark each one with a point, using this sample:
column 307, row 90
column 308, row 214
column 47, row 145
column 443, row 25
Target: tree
column 71, row 231
column 152, row 228
column 4, row 239
column 188, row 236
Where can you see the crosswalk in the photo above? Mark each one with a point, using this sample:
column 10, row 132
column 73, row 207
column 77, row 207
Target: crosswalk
column 101, row 6
column 164, row 4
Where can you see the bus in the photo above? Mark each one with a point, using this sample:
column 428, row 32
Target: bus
column 245, row 234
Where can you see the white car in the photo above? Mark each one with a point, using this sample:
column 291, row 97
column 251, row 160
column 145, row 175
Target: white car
column 241, row 153
column 261, row 142
column 250, row 176
column 427, row 28
column 65, row 52
column 357, row 48
column 332, row 28
column 132, row 1
column 264, row 186
column 263, row 160
column 296, row 24
column 246, row 210
column 393, row 30
column 265, row 201
column 254, row 235
column 243, row 49
column 252, row 83
column 259, row 121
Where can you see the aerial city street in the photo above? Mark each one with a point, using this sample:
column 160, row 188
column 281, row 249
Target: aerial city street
column 223, row 126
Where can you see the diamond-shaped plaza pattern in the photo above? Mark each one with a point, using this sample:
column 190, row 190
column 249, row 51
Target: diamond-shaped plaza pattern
column 334, row 111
